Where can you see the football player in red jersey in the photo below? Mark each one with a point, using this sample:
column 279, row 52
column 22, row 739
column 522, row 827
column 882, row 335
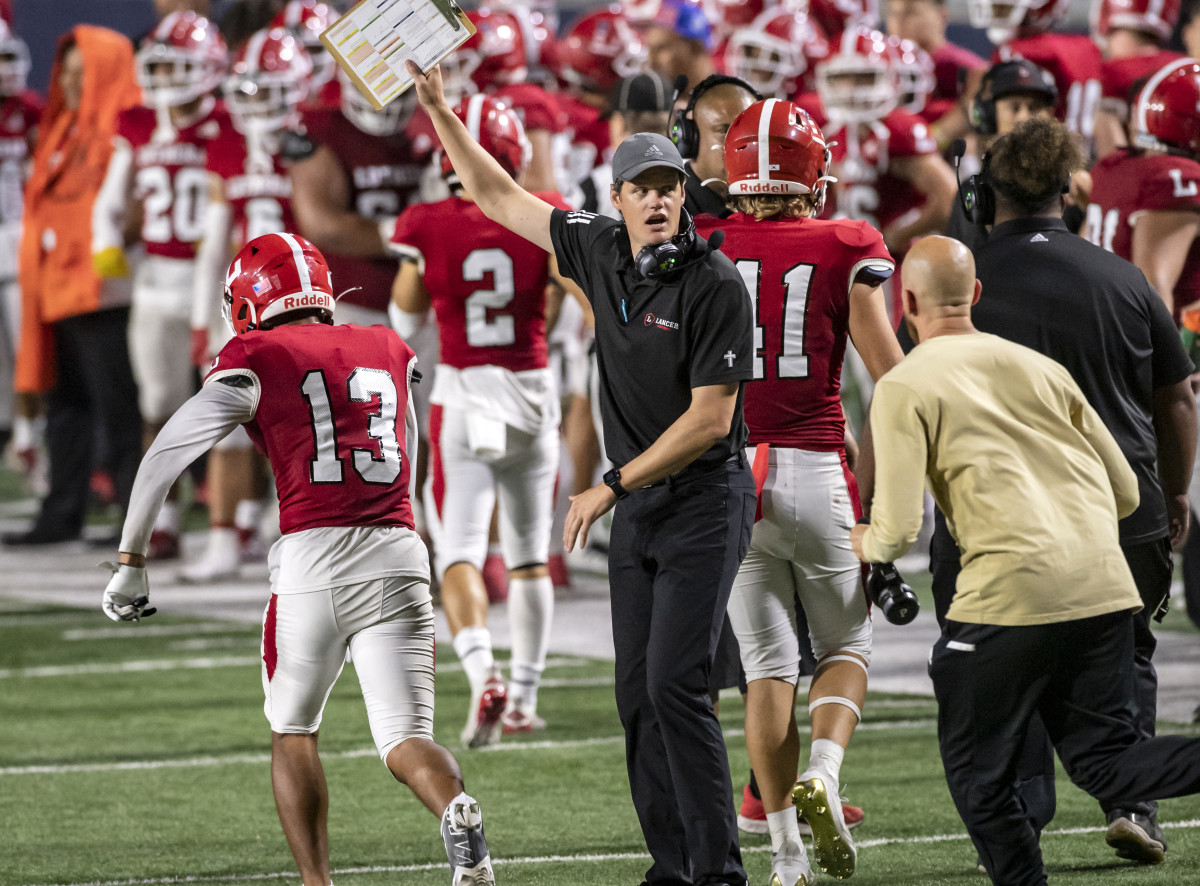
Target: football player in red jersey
column 1132, row 35
column 600, row 49
column 249, row 194
column 158, row 166
column 494, row 421
column 889, row 171
column 835, row 16
column 493, row 60
column 1021, row 29
column 19, row 112
column 778, row 166
column 331, row 407
column 956, row 71
column 1145, row 201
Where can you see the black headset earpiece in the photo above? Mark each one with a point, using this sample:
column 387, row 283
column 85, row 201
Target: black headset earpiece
column 978, row 197
column 655, row 260
column 683, row 131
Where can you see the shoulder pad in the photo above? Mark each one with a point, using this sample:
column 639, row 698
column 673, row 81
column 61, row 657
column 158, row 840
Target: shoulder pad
column 236, row 380
column 295, row 146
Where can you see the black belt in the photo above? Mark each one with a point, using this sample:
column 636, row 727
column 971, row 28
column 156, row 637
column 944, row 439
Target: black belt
column 695, row 470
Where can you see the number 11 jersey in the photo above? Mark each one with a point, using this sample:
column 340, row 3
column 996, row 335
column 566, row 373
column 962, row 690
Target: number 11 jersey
column 799, row 273
column 330, row 417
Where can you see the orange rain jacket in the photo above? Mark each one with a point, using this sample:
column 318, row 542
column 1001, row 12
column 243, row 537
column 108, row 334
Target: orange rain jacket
column 69, row 163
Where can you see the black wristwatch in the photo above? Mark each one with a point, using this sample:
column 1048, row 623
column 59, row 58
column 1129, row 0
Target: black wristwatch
column 613, row 481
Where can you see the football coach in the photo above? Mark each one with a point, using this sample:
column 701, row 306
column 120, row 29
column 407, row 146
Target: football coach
column 674, row 346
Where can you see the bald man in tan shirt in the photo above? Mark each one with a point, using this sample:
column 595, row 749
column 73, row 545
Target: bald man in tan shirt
column 1032, row 485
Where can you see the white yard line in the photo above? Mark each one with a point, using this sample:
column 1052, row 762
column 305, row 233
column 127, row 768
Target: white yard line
column 512, row 746
column 143, row 631
column 586, row 858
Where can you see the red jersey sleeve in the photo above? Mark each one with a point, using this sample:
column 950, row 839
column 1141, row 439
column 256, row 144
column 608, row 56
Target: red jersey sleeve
column 1171, row 184
column 408, row 239
column 908, row 135
column 232, row 357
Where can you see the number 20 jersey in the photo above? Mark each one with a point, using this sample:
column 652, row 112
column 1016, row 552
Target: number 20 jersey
column 331, row 420
column 798, row 273
column 487, row 284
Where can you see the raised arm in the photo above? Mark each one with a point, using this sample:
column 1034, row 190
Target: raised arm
column 501, row 199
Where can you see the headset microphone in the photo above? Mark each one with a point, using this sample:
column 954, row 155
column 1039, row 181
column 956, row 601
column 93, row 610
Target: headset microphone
column 715, row 239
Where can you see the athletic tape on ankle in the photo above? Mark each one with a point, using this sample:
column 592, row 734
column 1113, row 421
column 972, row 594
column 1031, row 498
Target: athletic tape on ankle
column 852, row 658
column 835, row 699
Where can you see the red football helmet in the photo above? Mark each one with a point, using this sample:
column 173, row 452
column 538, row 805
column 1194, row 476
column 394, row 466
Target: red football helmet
column 915, row 68
column 269, row 80
column 1154, row 17
column 793, row 158
column 495, row 53
column 273, row 276
column 14, row 61
column 858, row 83
column 1006, row 19
column 600, row 49
column 306, row 20
column 1165, row 114
column 835, row 16
column 775, row 51
column 539, row 25
column 181, row 59
column 493, row 124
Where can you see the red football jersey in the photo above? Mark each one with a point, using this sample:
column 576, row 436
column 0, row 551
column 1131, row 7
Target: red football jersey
column 1117, row 75
column 18, row 119
column 257, row 186
column 170, row 179
column 487, row 284
column 866, row 189
column 798, row 273
column 1074, row 62
column 536, row 108
column 331, row 420
column 384, row 174
column 950, row 64
column 1126, row 183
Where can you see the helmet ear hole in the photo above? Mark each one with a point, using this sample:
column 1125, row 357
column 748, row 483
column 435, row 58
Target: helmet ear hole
column 242, row 313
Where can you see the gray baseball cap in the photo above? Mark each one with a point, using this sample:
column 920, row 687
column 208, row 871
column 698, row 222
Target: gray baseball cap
column 642, row 151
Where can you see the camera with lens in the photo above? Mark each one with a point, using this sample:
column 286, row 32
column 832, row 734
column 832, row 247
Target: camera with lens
column 888, row 591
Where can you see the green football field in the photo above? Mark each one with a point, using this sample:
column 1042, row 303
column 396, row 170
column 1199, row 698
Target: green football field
column 138, row 754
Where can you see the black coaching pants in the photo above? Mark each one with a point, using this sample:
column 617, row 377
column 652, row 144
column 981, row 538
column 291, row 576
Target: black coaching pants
column 1078, row 677
column 673, row 555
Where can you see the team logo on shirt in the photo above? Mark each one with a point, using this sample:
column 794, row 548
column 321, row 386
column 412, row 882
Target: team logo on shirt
column 659, row 323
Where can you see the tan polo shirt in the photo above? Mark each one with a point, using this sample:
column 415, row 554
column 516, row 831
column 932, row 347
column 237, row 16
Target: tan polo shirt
column 1030, row 481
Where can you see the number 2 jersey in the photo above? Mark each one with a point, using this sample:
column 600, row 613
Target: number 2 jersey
column 799, row 273
column 330, row 416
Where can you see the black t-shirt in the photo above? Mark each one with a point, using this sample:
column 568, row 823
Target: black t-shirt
column 699, row 199
column 657, row 337
column 1093, row 312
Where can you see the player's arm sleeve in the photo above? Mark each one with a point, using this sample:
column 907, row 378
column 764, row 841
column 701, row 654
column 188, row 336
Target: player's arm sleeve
column 227, row 399
column 211, row 256
column 721, row 328
column 1120, row 475
column 901, row 456
column 109, row 210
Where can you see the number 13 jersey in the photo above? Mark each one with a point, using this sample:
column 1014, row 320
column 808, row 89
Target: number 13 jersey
column 331, row 418
column 799, row 273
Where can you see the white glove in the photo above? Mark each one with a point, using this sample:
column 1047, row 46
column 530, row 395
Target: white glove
column 127, row 597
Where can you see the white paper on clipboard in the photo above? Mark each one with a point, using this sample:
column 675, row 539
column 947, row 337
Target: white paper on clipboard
column 373, row 40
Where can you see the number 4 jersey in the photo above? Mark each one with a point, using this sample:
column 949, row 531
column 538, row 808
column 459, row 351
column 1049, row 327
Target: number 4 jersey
column 329, row 411
column 799, row 273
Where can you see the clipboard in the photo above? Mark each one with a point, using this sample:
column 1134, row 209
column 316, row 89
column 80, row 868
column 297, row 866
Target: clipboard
column 372, row 41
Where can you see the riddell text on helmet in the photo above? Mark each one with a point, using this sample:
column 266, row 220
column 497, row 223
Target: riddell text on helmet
column 311, row 300
column 766, row 187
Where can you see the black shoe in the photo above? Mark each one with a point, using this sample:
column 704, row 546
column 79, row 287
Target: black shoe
column 1135, row 836
column 38, row 535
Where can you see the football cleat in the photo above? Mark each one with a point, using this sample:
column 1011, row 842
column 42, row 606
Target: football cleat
column 515, row 721
column 790, row 867
column 484, row 725
column 816, row 798
column 466, row 848
column 752, row 817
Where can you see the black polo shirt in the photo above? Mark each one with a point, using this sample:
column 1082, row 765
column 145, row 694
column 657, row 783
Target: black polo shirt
column 1093, row 312
column 657, row 337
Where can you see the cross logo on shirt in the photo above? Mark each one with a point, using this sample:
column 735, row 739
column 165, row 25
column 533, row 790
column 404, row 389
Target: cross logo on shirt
column 729, row 357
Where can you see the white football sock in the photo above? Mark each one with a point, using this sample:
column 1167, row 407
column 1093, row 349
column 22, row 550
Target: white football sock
column 248, row 514
column 826, row 755
column 784, row 827
column 530, row 614
column 474, row 648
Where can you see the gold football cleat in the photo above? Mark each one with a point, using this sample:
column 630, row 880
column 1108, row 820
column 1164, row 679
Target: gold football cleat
column 832, row 846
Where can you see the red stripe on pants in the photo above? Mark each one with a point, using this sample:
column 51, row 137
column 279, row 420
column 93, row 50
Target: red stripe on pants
column 270, row 650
